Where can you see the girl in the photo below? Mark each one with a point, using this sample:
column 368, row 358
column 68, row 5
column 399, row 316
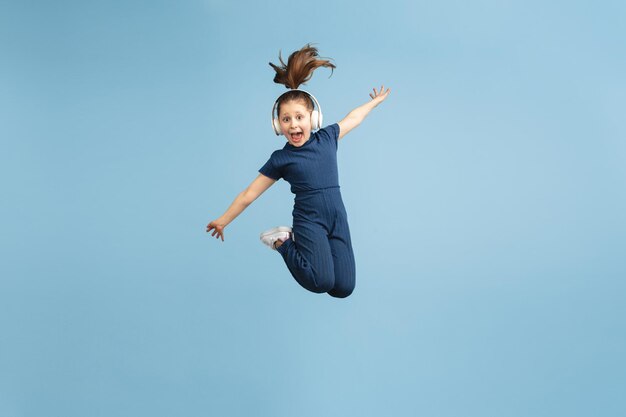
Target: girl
column 318, row 250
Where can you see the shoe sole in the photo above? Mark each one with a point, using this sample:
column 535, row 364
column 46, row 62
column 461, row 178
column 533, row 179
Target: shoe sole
column 276, row 230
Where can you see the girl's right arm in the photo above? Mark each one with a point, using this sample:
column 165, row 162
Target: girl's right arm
column 241, row 202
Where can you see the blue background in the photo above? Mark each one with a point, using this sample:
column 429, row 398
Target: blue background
column 486, row 200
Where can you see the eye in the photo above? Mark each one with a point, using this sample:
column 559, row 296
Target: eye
column 285, row 119
column 300, row 117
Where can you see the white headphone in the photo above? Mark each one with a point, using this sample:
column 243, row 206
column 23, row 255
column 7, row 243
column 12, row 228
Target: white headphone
column 316, row 115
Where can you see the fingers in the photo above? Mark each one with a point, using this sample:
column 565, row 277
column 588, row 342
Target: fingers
column 218, row 231
column 382, row 93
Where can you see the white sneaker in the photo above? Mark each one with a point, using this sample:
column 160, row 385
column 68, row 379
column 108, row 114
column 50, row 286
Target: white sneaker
column 270, row 237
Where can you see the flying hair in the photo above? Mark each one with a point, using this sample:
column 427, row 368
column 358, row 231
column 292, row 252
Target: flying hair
column 300, row 66
column 298, row 70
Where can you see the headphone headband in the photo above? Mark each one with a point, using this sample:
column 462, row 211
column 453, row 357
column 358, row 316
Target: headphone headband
column 316, row 116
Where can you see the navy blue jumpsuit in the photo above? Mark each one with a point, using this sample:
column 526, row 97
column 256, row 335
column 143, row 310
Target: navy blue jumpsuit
column 320, row 255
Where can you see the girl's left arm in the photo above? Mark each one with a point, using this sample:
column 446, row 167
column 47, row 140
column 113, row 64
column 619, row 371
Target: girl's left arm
column 356, row 116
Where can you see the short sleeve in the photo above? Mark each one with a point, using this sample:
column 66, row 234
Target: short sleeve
column 270, row 170
column 330, row 133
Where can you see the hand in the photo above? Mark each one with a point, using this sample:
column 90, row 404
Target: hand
column 380, row 96
column 218, row 229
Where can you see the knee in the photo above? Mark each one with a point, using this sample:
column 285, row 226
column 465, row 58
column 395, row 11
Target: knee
column 323, row 284
column 315, row 282
column 341, row 292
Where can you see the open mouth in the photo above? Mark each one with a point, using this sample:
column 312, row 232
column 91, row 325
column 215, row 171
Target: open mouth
column 296, row 137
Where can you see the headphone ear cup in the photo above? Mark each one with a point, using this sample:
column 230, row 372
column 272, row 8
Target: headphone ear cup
column 276, row 124
column 315, row 120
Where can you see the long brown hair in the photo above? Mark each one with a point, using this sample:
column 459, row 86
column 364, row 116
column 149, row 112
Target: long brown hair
column 298, row 70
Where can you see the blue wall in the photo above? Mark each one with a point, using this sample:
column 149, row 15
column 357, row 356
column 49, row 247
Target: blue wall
column 486, row 199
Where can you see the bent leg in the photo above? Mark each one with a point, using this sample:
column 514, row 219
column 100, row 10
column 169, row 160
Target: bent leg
column 309, row 257
column 344, row 264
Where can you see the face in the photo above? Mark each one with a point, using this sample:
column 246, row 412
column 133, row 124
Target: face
column 295, row 122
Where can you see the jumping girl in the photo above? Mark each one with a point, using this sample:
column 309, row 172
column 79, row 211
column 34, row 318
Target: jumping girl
column 318, row 249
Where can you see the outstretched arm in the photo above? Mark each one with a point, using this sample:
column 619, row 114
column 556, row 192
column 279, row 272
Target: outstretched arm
column 241, row 202
column 356, row 116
